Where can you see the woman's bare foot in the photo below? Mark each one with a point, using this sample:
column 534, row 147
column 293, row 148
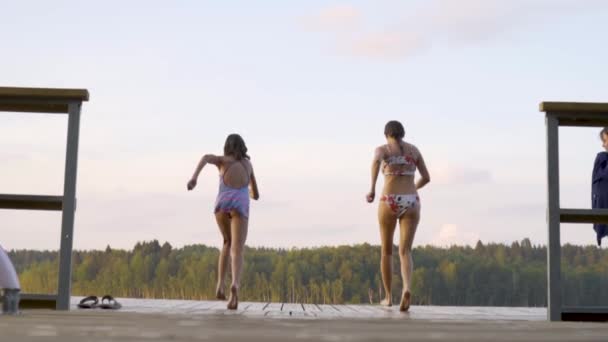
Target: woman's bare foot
column 405, row 301
column 386, row 301
column 219, row 293
column 233, row 302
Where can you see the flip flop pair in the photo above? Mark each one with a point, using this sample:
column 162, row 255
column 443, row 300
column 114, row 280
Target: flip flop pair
column 107, row 302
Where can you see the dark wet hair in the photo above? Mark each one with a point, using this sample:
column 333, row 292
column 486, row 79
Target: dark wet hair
column 395, row 130
column 235, row 147
column 603, row 131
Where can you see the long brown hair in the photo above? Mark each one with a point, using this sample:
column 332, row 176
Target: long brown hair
column 235, row 147
column 394, row 129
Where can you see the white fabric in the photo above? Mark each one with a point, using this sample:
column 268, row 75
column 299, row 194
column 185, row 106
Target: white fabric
column 8, row 276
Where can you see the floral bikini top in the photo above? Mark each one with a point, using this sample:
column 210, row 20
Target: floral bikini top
column 408, row 162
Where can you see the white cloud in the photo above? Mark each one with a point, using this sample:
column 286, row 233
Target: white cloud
column 336, row 18
column 439, row 22
column 451, row 234
column 385, row 45
column 459, row 175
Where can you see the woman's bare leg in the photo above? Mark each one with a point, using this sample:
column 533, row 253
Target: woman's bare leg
column 238, row 229
column 223, row 222
column 388, row 221
column 407, row 224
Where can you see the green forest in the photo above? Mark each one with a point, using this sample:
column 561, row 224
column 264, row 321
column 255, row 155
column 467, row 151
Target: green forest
column 486, row 275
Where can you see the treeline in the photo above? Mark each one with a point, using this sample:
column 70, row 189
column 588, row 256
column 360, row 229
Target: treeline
column 491, row 274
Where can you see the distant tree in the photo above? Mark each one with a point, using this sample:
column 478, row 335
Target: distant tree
column 488, row 274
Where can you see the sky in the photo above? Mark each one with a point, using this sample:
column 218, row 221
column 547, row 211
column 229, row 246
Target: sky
column 309, row 85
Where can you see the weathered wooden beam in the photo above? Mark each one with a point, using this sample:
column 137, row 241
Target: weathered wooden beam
column 31, row 202
column 69, row 207
column 16, row 106
column 585, row 313
column 583, row 215
column 574, row 107
column 554, row 293
column 44, row 93
column 40, row 100
column 37, row 301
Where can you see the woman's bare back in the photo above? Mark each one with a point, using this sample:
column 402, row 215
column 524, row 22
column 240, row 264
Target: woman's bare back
column 236, row 173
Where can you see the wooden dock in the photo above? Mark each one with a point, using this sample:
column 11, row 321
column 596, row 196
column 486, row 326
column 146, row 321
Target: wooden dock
column 325, row 311
column 184, row 320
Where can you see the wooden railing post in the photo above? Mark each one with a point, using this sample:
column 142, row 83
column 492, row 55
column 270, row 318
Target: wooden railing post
column 554, row 294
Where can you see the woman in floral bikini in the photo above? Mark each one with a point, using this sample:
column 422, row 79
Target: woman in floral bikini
column 237, row 184
column 399, row 203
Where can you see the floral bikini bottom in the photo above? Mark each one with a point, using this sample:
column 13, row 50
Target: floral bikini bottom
column 399, row 204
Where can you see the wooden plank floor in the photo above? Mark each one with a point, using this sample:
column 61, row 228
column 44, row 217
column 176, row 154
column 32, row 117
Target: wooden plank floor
column 204, row 322
column 326, row 311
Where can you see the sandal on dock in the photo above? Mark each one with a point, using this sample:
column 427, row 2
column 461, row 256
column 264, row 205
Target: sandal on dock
column 109, row 303
column 89, row 302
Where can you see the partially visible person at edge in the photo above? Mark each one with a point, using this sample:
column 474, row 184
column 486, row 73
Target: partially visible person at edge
column 399, row 203
column 237, row 184
column 599, row 185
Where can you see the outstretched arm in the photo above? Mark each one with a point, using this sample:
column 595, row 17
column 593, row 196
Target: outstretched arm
column 206, row 159
column 375, row 171
column 253, row 187
column 425, row 178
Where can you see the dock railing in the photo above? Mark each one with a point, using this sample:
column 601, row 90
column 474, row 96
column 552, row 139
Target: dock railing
column 572, row 114
column 59, row 101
